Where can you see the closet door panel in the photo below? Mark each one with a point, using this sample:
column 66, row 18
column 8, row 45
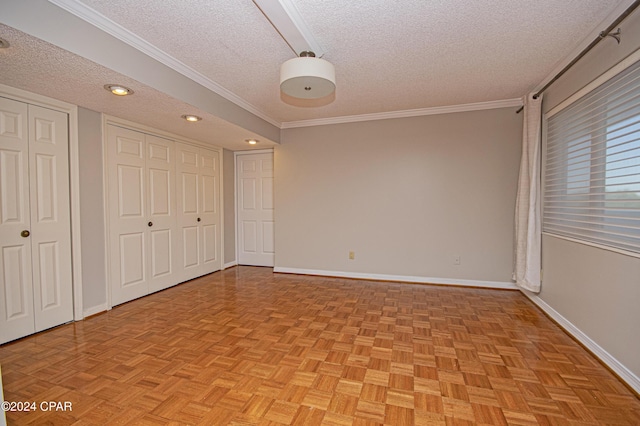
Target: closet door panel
column 210, row 248
column 17, row 304
column 161, row 254
column 189, row 205
column 162, row 224
column 209, row 210
column 132, row 260
column 130, row 188
column 198, row 177
column 35, row 224
column 50, row 217
column 16, row 307
column 191, row 247
column 127, row 214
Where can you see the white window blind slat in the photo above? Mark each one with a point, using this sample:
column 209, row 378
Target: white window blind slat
column 587, row 232
column 599, row 125
column 592, row 166
column 614, row 91
column 600, row 143
column 593, row 177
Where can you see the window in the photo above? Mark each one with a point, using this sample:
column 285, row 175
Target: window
column 592, row 165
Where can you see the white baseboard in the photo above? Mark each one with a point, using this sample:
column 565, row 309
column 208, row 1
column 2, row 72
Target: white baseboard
column 95, row 310
column 623, row 372
column 229, row 265
column 397, row 278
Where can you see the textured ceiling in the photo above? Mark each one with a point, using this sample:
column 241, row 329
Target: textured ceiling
column 56, row 73
column 389, row 56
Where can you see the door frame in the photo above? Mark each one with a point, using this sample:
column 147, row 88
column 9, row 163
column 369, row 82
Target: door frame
column 120, row 122
column 74, row 182
column 237, row 154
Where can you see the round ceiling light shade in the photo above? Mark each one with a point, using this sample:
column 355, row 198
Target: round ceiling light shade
column 307, row 78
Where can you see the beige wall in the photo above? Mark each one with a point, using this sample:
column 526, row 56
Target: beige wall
column 595, row 290
column 229, row 168
column 598, row 292
column 94, row 284
column 407, row 195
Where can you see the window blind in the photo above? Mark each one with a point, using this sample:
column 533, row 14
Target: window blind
column 592, row 166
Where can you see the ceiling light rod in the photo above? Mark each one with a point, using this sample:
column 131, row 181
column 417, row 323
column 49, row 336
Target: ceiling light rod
column 288, row 22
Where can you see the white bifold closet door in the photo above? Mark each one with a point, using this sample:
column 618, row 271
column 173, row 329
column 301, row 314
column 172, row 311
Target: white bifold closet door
column 255, row 209
column 197, row 191
column 142, row 219
column 35, row 228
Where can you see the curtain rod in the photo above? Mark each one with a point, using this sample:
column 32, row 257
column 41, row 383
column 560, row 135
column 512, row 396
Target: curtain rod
column 602, row 35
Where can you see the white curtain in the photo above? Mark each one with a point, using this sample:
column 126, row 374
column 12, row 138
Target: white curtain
column 528, row 232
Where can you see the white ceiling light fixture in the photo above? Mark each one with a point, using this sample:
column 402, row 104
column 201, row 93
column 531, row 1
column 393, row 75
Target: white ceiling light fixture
column 307, row 76
column 118, row 90
column 252, row 141
column 191, row 118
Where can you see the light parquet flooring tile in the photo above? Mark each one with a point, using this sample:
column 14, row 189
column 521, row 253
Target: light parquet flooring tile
column 249, row 347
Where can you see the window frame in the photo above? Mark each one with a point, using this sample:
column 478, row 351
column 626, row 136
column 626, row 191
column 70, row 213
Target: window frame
column 564, row 177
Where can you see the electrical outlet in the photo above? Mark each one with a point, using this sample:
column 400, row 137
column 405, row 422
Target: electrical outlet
column 456, row 259
column 352, row 255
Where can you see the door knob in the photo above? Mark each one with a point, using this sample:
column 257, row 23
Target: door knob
column 198, row 219
column 25, row 234
column 150, row 224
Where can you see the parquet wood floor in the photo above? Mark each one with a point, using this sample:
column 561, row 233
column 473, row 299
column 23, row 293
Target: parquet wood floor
column 246, row 346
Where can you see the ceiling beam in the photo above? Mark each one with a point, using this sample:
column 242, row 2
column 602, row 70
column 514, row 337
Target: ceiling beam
column 288, row 22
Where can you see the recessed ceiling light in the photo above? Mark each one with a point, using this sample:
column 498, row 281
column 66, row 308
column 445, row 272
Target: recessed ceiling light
column 252, row 141
column 118, row 90
column 4, row 43
column 191, row 118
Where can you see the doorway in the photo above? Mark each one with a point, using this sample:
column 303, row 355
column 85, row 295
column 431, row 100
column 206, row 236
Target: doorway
column 255, row 210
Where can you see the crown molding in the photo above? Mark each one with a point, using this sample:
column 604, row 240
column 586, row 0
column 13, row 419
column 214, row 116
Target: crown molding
column 506, row 103
column 114, row 29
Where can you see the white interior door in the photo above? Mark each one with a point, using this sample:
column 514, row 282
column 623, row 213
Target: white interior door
column 197, row 191
column 35, row 234
column 209, row 217
column 255, row 209
column 188, row 194
column 161, row 208
column 16, row 309
column 127, row 214
column 50, row 217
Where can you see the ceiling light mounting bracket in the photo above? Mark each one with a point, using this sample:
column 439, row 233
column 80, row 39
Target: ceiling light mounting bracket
column 306, row 76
